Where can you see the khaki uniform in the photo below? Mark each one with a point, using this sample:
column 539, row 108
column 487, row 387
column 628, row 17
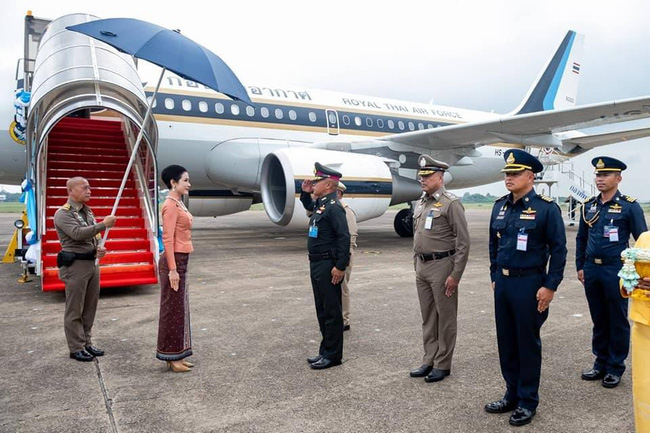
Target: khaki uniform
column 78, row 233
column 345, row 289
column 447, row 231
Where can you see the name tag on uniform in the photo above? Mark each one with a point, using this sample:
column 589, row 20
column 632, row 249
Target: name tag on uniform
column 313, row 231
column 611, row 232
column 428, row 223
column 522, row 241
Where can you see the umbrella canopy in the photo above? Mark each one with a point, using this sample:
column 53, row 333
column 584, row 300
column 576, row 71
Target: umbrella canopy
column 167, row 49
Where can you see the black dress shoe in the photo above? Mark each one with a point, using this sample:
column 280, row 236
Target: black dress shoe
column 81, row 355
column 324, row 363
column 521, row 416
column 346, row 328
column 314, row 359
column 94, row 351
column 422, row 371
column 592, row 374
column 611, row 380
column 437, row 375
column 500, row 406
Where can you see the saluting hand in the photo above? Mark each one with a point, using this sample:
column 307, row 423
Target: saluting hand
column 337, row 275
column 451, row 285
column 544, row 297
column 109, row 221
column 307, row 186
column 101, row 252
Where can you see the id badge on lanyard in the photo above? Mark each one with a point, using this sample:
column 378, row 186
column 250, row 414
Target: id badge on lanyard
column 522, row 241
column 313, row 231
column 611, row 232
column 428, row 223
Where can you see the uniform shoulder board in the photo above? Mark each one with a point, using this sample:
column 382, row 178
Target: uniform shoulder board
column 450, row 196
column 546, row 198
column 630, row 199
column 590, row 199
column 501, row 198
column 66, row 206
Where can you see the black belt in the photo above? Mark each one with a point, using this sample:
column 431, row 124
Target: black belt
column 321, row 256
column 604, row 260
column 84, row 256
column 435, row 256
column 520, row 272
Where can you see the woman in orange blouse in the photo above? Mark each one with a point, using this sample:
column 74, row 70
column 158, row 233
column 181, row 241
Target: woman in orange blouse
column 174, row 332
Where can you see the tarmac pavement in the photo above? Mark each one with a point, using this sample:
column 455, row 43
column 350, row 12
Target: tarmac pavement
column 254, row 325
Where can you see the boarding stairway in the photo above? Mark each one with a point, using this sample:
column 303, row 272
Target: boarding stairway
column 87, row 108
column 96, row 150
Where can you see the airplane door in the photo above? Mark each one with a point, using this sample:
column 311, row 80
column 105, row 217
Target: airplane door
column 332, row 122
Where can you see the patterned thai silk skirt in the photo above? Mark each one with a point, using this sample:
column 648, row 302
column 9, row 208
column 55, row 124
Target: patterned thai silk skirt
column 174, row 332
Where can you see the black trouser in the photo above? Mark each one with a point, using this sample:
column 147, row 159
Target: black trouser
column 327, row 298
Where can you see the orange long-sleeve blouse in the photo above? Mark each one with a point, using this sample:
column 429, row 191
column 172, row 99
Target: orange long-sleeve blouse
column 177, row 230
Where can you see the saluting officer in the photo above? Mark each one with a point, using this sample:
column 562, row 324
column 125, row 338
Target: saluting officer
column 329, row 254
column 441, row 250
column 526, row 234
column 79, row 235
column 607, row 222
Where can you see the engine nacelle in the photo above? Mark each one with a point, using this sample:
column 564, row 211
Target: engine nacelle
column 369, row 182
column 212, row 205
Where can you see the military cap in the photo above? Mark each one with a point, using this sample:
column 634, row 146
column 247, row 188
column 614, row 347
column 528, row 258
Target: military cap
column 341, row 186
column 429, row 165
column 323, row 172
column 605, row 164
column 519, row 160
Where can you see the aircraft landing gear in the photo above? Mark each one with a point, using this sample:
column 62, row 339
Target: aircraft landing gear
column 403, row 223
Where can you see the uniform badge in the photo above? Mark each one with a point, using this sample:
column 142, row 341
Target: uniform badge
column 600, row 164
column 511, row 158
column 498, row 235
column 615, row 208
column 332, row 201
column 528, row 214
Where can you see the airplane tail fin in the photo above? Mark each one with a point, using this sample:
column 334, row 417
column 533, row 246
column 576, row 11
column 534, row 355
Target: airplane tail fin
column 557, row 85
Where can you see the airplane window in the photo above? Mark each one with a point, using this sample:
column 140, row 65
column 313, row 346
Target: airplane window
column 292, row 115
column 169, row 103
column 312, row 116
column 346, row 119
column 278, row 113
column 218, row 107
column 264, row 112
column 357, row 120
column 420, row 125
column 429, row 126
column 250, row 111
column 411, row 126
column 368, row 122
column 380, row 123
column 187, row 105
column 332, row 118
column 234, row 109
column 203, row 107
column 155, row 102
column 400, row 124
column 391, row 124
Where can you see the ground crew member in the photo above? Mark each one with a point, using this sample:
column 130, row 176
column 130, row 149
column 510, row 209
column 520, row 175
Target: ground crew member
column 351, row 217
column 79, row 235
column 607, row 222
column 526, row 234
column 329, row 254
column 441, row 247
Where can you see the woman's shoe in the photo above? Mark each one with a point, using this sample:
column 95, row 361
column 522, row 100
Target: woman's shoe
column 188, row 364
column 177, row 367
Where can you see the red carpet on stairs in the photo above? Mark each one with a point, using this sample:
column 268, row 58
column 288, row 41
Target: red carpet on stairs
column 96, row 150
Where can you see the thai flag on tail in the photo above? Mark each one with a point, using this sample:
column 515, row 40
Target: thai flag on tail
column 576, row 68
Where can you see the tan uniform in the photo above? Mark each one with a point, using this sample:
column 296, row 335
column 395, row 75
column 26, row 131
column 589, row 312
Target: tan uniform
column 78, row 233
column 345, row 289
column 445, row 231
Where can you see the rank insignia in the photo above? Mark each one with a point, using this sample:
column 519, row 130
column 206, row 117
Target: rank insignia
column 438, row 204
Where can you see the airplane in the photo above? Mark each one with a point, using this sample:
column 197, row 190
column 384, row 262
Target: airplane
column 239, row 155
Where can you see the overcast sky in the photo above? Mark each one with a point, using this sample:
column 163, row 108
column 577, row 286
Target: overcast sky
column 471, row 54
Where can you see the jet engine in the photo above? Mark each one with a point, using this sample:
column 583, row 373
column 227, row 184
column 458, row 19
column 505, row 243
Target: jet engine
column 371, row 187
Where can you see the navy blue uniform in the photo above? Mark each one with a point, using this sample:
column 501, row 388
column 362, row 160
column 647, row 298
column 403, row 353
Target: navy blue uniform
column 604, row 232
column 527, row 252
column 329, row 246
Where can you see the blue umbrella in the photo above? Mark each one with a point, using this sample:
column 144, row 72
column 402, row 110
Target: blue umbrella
column 168, row 49
column 171, row 51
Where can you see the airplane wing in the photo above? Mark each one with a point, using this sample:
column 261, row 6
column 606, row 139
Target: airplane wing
column 588, row 142
column 529, row 129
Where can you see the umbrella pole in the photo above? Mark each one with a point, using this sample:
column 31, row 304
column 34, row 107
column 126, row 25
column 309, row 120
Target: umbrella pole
column 133, row 154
